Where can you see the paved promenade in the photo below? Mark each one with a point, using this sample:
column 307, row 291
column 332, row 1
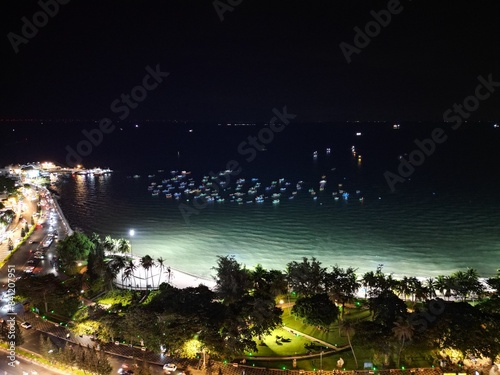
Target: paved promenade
column 142, row 280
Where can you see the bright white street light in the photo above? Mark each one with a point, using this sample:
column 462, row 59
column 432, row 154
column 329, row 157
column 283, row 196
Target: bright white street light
column 131, row 232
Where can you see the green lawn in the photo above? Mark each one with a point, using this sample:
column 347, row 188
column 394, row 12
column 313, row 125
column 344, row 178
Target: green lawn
column 296, row 346
column 114, row 297
column 274, row 347
column 332, row 336
column 328, row 362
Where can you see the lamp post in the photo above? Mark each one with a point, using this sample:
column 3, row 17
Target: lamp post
column 321, row 362
column 131, row 233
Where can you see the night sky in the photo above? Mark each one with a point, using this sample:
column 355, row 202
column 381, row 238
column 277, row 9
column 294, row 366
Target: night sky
column 263, row 54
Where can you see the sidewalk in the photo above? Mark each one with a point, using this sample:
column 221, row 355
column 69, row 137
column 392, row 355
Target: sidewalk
column 149, row 280
column 314, row 339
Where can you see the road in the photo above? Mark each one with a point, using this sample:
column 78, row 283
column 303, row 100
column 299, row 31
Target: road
column 23, row 259
column 23, row 367
column 25, row 256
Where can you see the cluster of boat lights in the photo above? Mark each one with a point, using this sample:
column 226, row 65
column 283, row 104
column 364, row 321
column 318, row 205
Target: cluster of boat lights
column 180, row 186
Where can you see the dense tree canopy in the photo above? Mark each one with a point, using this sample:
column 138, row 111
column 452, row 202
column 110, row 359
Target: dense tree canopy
column 269, row 283
column 342, row 285
column 250, row 309
column 48, row 293
column 73, row 248
column 7, row 184
column 232, row 280
column 377, row 282
column 387, row 308
column 307, row 278
column 317, row 310
column 458, row 325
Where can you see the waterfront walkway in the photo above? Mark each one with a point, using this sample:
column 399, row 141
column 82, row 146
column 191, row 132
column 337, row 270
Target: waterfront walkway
column 143, row 279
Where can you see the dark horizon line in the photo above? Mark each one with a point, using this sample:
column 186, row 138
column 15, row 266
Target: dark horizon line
column 226, row 122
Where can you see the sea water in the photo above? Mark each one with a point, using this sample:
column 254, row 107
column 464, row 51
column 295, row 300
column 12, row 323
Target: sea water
column 444, row 217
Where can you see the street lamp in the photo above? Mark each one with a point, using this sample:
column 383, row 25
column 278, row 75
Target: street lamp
column 131, row 233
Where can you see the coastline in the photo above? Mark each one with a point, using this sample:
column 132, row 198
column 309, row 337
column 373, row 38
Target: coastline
column 183, row 279
column 67, row 227
column 176, row 278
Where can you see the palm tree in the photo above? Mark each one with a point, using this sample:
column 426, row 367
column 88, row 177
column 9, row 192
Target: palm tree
column 415, row 287
column 475, row 287
column 377, row 282
column 109, row 244
column 403, row 287
column 123, row 246
column 347, row 327
column 115, row 243
column 110, row 273
column 368, row 282
column 118, row 263
column 169, row 271
column 128, row 272
column 160, row 262
column 146, row 263
column 444, row 284
column 494, row 282
column 403, row 331
column 421, row 293
column 96, row 263
column 95, row 238
column 342, row 285
column 430, row 285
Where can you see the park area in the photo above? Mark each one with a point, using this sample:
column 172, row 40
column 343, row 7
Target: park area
column 307, row 342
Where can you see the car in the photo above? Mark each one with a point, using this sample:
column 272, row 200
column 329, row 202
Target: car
column 26, row 325
column 169, row 367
